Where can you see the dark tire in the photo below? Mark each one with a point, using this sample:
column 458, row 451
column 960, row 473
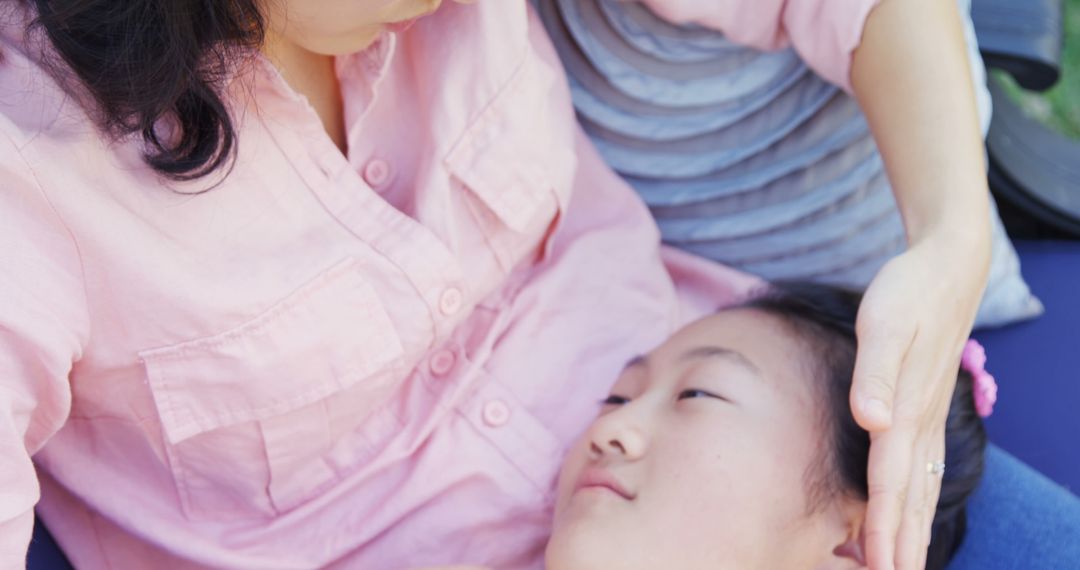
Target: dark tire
column 1034, row 173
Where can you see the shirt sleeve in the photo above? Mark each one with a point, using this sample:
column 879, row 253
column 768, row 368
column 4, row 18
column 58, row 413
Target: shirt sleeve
column 43, row 327
column 825, row 33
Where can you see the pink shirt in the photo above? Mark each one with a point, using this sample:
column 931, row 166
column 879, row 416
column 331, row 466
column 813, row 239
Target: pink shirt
column 363, row 361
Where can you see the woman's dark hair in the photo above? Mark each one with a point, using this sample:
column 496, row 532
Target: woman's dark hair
column 824, row 317
column 147, row 61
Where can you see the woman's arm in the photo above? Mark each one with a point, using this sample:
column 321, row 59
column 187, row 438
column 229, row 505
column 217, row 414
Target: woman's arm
column 912, row 79
column 44, row 326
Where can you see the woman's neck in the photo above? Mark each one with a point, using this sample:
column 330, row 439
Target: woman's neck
column 311, row 75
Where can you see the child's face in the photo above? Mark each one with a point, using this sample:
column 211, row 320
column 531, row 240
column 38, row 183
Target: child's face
column 708, row 461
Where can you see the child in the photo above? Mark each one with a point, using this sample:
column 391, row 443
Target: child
column 732, row 445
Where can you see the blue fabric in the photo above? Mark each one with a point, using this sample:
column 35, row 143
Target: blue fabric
column 663, row 80
column 1037, row 366
column 44, row 552
column 1019, row 519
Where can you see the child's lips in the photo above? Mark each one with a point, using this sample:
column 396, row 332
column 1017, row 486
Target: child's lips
column 601, row 479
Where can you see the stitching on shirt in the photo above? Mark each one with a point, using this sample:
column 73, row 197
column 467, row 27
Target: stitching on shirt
column 175, row 463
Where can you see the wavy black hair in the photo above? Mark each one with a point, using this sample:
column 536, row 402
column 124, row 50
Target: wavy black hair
column 146, row 61
column 824, row 317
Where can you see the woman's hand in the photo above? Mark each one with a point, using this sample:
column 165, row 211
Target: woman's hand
column 912, row 325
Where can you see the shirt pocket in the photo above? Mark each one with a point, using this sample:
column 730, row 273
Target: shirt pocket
column 245, row 413
column 515, row 163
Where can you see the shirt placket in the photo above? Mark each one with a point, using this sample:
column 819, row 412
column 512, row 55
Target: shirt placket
column 353, row 199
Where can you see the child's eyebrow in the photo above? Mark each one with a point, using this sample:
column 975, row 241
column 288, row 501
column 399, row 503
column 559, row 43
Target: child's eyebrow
column 705, row 352
column 637, row 361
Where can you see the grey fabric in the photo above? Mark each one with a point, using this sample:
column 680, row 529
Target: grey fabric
column 746, row 157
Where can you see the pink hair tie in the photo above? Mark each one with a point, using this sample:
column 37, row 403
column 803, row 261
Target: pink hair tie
column 985, row 388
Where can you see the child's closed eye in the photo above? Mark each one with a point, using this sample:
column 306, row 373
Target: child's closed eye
column 615, row 400
column 697, row 393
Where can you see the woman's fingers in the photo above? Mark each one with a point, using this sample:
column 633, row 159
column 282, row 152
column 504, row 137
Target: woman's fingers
column 913, row 538
column 878, row 362
column 937, row 445
column 888, row 478
column 882, row 349
column 909, row 537
column 903, row 493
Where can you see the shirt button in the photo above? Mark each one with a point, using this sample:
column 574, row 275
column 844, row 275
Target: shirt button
column 442, row 362
column 450, row 302
column 496, row 413
column 377, row 173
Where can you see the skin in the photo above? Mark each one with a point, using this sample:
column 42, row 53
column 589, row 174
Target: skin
column 338, row 27
column 303, row 36
column 714, row 439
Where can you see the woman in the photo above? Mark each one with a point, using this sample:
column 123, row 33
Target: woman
column 308, row 284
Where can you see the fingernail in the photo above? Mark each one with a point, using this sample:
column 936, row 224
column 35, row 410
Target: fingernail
column 877, row 410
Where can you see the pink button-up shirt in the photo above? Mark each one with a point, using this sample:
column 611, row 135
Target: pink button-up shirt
column 363, row 361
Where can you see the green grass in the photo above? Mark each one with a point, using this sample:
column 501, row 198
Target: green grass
column 1058, row 108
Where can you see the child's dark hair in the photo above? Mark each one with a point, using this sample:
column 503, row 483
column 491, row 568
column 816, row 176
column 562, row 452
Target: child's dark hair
column 824, row 317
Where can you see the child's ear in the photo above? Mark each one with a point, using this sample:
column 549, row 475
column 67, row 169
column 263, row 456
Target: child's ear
column 851, row 554
column 849, row 551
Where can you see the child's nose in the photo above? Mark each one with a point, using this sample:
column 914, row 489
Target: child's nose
column 617, row 439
